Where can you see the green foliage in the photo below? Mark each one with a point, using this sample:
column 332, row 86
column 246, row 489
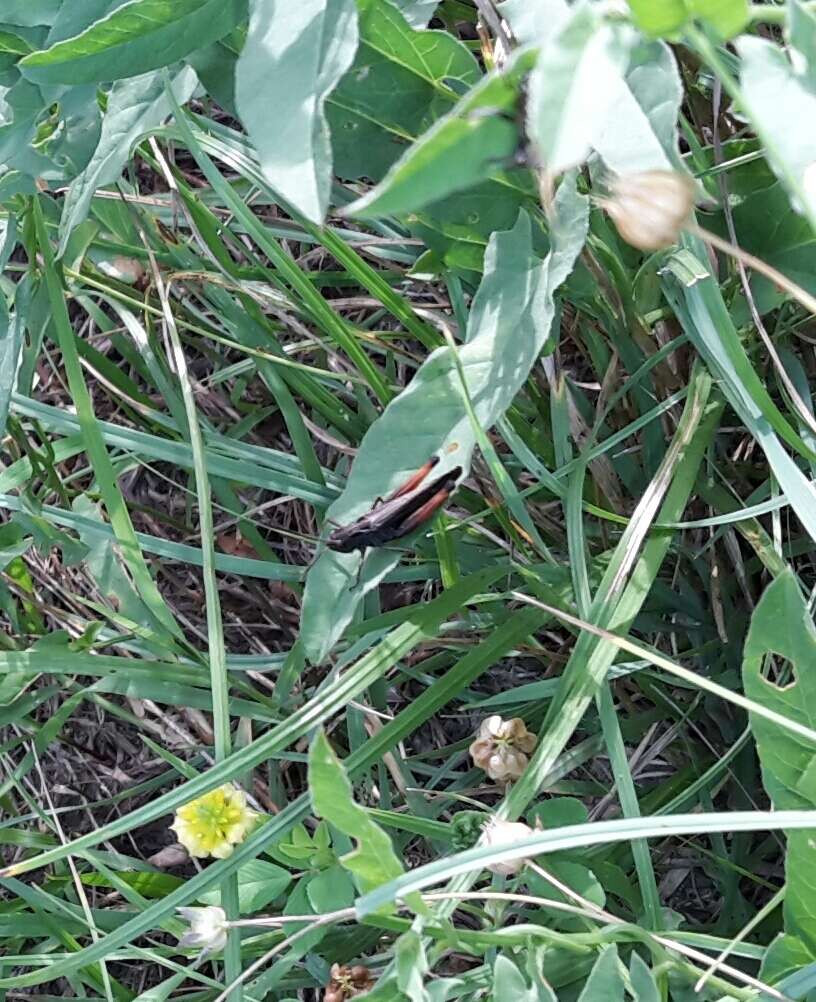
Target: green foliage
column 260, row 261
column 373, row 861
column 782, row 640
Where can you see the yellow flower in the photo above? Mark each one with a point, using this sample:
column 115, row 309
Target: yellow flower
column 213, row 824
column 501, row 748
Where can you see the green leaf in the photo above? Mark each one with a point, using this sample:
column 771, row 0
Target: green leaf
column 401, row 81
column 331, row 889
column 464, row 147
column 259, row 883
column 639, row 130
column 643, row 983
column 577, row 77
column 802, row 30
column 726, row 17
column 293, row 57
column 766, row 226
column 136, row 37
column 374, row 861
column 782, row 629
column 534, row 23
column 412, row 966
column 604, row 983
column 27, row 13
column 659, row 19
column 135, row 107
column 785, row 956
column 779, row 100
column 509, row 325
column 510, row 983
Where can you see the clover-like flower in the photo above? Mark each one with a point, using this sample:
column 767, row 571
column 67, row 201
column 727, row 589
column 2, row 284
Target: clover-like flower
column 497, row 833
column 347, row 982
column 501, row 748
column 214, row 824
column 650, row 208
column 208, row 928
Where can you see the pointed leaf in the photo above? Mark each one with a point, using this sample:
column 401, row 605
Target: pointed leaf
column 293, row 57
column 605, row 983
column 509, row 325
column 134, row 108
column 373, row 861
column 138, row 36
column 782, row 628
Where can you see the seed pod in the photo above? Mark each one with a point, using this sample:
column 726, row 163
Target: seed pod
column 501, row 747
column 649, row 209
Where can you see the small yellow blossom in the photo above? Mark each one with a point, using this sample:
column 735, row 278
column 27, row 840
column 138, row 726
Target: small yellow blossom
column 213, row 824
column 501, row 748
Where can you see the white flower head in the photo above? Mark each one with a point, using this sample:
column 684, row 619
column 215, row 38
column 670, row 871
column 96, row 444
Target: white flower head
column 650, row 208
column 497, row 833
column 208, row 928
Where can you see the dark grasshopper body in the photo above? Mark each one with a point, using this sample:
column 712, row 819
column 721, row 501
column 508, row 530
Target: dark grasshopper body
column 399, row 514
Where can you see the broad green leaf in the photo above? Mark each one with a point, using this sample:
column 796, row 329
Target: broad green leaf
column 293, row 57
column 659, row 19
column 604, row 983
column 577, row 77
column 259, row 883
column 643, row 983
column 468, row 145
column 785, row 956
column 802, row 31
column 373, row 861
column 726, row 17
column 137, row 37
column 28, row 13
column 417, row 12
column 781, row 104
column 331, row 889
column 782, row 638
column 510, row 983
column 534, row 21
column 509, row 325
column 400, row 83
column 134, row 108
column 21, row 108
column 74, row 18
column 766, row 227
column 639, row 130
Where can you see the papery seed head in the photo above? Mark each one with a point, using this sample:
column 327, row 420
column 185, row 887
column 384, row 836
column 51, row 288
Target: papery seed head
column 650, row 208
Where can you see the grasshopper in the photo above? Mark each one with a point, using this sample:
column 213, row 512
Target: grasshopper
column 400, row 513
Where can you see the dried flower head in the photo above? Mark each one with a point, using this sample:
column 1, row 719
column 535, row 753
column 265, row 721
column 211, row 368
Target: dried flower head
column 649, row 209
column 208, row 928
column 213, row 824
column 347, row 982
column 501, row 748
column 497, row 833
